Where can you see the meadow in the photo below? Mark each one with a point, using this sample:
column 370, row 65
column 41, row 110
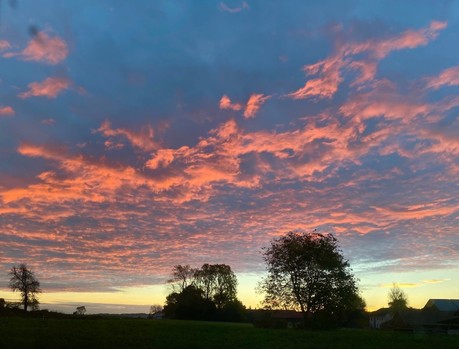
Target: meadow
column 16, row 332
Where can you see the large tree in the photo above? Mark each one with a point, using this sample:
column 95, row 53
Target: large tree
column 23, row 280
column 218, row 283
column 307, row 272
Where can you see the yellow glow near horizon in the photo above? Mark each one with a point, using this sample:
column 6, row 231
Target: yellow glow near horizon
column 419, row 287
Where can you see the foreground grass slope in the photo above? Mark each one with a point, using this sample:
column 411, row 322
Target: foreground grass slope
column 114, row 333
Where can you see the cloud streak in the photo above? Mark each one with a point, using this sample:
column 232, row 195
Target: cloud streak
column 6, row 111
column 328, row 72
column 224, row 7
column 50, row 88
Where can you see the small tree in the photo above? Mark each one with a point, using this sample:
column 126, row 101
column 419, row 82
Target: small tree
column 307, row 272
column 397, row 299
column 23, row 280
column 155, row 308
column 80, row 310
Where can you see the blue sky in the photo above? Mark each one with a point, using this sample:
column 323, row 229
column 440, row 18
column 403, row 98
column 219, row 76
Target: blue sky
column 137, row 136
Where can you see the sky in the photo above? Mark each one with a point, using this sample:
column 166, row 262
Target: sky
column 138, row 135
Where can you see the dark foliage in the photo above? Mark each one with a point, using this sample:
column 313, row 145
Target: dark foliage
column 23, row 280
column 307, row 273
column 189, row 304
column 208, row 293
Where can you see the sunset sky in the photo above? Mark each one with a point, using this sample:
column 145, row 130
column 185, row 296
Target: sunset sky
column 136, row 135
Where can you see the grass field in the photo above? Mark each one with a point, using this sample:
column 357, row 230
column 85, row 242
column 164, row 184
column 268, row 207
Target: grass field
column 16, row 333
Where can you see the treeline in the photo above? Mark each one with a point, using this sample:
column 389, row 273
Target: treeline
column 307, row 276
column 206, row 293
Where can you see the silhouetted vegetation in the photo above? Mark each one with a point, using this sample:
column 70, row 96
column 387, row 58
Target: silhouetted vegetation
column 307, row 273
column 398, row 299
column 81, row 310
column 23, row 280
column 208, row 293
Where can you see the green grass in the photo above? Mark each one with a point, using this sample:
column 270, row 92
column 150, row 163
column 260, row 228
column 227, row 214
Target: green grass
column 165, row 334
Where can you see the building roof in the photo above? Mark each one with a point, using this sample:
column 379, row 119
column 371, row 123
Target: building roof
column 413, row 318
column 443, row 304
column 380, row 312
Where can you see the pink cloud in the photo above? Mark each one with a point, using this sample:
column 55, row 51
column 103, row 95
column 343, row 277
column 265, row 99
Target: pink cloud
column 328, row 72
column 225, row 103
column 250, row 109
column 50, row 88
column 43, row 48
column 448, row 77
column 7, row 111
column 416, row 212
column 254, row 104
column 162, row 158
column 90, row 180
column 409, row 39
column 223, row 7
column 384, row 100
column 142, row 139
column 4, row 45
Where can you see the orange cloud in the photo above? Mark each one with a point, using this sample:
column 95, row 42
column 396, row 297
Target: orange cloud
column 328, row 71
column 448, row 77
column 142, row 139
column 384, row 100
column 162, row 158
column 326, row 85
column 251, row 108
column 408, row 39
column 225, row 103
column 50, row 88
column 254, row 104
column 7, row 111
column 89, row 180
column 43, row 48
column 417, row 212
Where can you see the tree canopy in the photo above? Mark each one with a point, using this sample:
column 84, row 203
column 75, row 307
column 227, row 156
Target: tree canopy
column 397, row 299
column 307, row 272
column 182, row 277
column 207, row 293
column 23, row 280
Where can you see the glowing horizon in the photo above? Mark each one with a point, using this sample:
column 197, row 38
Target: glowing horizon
column 134, row 137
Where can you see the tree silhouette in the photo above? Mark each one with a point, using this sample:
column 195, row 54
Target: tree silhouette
column 80, row 310
column 189, row 304
column 182, row 277
column 23, row 280
column 307, row 272
column 155, row 308
column 397, row 299
column 207, row 293
column 218, row 283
